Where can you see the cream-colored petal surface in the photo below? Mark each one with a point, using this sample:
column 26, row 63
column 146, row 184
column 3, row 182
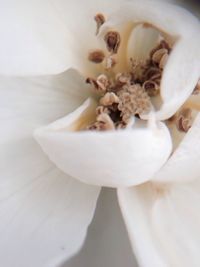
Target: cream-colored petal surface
column 178, row 25
column 34, row 40
column 45, row 222
column 183, row 165
column 44, row 213
column 48, row 37
column 112, row 158
column 26, row 104
column 163, row 224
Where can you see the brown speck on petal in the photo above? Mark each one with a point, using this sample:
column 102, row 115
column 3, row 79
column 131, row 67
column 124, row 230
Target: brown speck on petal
column 112, row 39
column 100, row 20
column 184, row 120
column 96, row 56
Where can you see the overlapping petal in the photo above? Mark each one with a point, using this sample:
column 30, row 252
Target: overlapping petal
column 163, row 223
column 179, row 27
column 48, row 37
column 44, row 213
column 113, row 158
column 183, row 165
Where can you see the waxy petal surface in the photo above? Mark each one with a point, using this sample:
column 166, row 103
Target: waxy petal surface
column 112, row 158
column 163, row 223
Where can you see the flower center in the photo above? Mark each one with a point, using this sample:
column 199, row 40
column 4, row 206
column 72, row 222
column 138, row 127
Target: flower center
column 124, row 96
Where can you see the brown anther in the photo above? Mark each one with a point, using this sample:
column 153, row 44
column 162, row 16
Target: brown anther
column 105, row 122
column 103, row 82
column 157, row 56
column 100, row 20
column 92, row 82
column 197, row 89
column 109, row 99
column 96, row 56
column 152, row 73
column 123, row 78
column 161, row 45
column 110, row 62
column 112, row 39
column 151, row 87
column 184, row 120
column 102, row 109
column 163, row 61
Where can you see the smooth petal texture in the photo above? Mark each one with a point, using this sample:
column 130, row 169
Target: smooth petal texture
column 47, row 37
column 45, row 222
column 33, row 39
column 26, row 104
column 183, row 165
column 163, row 224
column 177, row 25
column 80, row 22
column 41, row 208
column 112, row 158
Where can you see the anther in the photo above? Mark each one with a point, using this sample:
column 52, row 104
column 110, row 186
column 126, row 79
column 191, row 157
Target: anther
column 96, row 56
column 100, row 20
column 112, row 39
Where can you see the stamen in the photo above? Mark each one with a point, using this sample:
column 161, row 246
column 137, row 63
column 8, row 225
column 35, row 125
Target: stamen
column 197, row 89
column 133, row 100
column 103, row 82
column 184, row 120
column 100, row 20
column 109, row 99
column 102, row 109
column 96, row 56
column 151, row 87
column 103, row 123
column 110, row 62
column 112, row 39
column 123, row 78
column 126, row 95
column 92, row 82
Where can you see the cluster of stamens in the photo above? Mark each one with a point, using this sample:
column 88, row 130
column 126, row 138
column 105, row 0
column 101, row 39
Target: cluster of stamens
column 125, row 95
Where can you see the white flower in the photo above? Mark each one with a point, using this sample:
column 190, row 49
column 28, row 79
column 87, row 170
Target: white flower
column 45, row 210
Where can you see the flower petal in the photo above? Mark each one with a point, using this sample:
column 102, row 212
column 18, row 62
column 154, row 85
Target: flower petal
column 163, row 224
column 183, row 67
column 46, row 37
column 44, row 213
column 183, row 165
column 45, row 222
column 112, row 158
column 33, row 39
column 26, row 104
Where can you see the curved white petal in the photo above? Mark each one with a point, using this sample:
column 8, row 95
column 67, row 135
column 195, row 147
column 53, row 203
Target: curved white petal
column 44, row 213
column 46, row 37
column 33, row 39
column 26, row 104
column 45, row 222
column 112, row 158
column 183, row 165
column 183, row 67
column 163, row 224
